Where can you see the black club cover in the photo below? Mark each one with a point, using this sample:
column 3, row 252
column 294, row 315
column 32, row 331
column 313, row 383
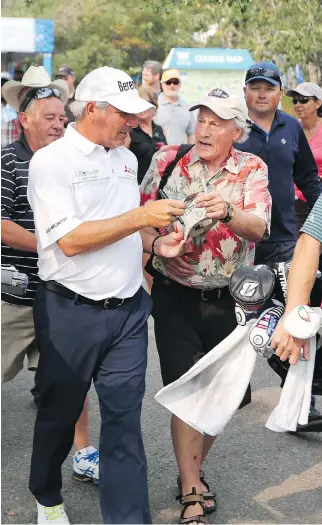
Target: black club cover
column 252, row 286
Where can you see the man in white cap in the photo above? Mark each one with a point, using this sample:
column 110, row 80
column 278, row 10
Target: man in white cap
column 40, row 105
column 91, row 310
column 192, row 308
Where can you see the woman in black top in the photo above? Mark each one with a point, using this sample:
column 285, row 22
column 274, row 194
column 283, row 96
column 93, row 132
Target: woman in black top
column 147, row 137
column 144, row 141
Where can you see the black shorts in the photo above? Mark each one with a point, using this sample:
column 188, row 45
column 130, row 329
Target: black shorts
column 188, row 327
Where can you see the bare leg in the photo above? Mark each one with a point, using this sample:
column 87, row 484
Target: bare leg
column 207, row 444
column 81, row 436
column 188, row 445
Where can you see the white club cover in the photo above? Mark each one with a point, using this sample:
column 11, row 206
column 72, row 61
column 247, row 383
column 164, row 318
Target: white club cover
column 302, row 322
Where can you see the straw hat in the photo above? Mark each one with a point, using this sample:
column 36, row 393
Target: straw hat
column 35, row 76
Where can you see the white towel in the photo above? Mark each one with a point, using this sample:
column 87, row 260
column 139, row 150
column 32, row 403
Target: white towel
column 207, row 396
column 295, row 400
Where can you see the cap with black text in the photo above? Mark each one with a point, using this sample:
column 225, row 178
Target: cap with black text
column 114, row 86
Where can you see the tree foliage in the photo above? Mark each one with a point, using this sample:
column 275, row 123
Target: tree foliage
column 92, row 33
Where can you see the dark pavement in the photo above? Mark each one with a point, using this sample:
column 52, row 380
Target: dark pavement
column 260, row 476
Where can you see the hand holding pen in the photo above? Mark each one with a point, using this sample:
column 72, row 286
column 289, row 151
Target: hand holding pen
column 163, row 194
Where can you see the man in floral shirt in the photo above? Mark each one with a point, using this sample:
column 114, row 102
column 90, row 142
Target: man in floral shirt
column 192, row 308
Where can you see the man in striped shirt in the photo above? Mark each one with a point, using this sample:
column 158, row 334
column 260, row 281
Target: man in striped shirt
column 42, row 119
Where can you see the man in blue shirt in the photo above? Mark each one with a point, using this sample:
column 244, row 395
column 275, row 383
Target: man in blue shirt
column 279, row 140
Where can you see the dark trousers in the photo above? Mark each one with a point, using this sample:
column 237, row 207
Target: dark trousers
column 188, row 327
column 79, row 343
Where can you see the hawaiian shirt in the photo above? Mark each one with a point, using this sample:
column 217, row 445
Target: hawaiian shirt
column 10, row 132
column 218, row 252
column 7, row 113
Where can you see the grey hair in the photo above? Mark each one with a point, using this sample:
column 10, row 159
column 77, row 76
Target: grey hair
column 245, row 127
column 154, row 66
column 78, row 108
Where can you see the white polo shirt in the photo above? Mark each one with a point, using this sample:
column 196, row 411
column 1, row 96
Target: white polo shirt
column 72, row 181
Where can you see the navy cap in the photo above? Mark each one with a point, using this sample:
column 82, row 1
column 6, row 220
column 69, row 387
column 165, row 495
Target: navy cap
column 65, row 71
column 267, row 71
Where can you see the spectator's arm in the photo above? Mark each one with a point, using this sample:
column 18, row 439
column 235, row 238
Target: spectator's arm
column 17, row 237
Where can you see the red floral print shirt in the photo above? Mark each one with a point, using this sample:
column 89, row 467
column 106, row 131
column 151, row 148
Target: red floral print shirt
column 242, row 180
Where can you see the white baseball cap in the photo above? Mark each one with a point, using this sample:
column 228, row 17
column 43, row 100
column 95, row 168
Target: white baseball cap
column 114, row 86
column 224, row 105
column 306, row 89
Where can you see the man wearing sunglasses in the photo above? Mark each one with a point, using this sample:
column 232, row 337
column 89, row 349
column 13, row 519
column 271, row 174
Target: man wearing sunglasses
column 279, row 140
column 173, row 113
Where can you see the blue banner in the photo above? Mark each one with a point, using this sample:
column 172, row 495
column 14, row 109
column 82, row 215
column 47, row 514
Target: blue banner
column 208, row 58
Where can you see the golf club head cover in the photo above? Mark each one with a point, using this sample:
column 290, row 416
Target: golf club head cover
column 281, row 271
column 260, row 336
column 302, row 322
column 251, row 287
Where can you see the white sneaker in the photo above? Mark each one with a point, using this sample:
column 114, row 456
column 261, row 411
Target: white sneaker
column 86, row 465
column 55, row 514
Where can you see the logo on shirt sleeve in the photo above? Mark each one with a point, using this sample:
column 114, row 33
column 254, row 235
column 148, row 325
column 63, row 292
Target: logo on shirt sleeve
column 129, row 170
column 56, row 224
column 128, row 173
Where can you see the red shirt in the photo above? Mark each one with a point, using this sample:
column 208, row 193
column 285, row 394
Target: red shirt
column 241, row 180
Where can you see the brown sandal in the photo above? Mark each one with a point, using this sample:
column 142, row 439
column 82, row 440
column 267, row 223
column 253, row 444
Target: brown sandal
column 207, row 495
column 191, row 499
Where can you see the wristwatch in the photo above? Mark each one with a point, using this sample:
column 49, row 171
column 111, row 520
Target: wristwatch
column 230, row 213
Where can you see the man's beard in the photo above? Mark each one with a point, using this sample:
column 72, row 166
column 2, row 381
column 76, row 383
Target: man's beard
column 172, row 94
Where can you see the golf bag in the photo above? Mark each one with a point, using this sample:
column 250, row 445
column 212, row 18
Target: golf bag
column 260, row 293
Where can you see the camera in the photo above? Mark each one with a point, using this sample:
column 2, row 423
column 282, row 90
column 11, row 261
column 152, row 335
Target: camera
column 12, row 281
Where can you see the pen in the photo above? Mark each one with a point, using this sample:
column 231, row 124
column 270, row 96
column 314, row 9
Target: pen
column 165, row 196
column 204, row 185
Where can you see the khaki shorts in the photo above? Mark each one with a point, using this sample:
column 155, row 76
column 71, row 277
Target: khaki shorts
column 17, row 340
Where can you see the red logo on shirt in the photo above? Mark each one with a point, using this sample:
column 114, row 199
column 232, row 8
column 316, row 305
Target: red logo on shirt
column 129, row 170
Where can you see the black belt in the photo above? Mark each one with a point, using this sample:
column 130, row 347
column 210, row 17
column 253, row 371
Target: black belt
column 203, row 295
column 110, row 303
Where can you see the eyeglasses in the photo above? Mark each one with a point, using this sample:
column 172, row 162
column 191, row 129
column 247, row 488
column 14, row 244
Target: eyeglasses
column 38, row 93
column 301, row 100
column 173, row 81
column 219, row 93
column 262, row 72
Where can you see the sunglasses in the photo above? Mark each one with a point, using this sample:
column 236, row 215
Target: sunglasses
column 219, row 93
column 300, row 100
column 36, row 94
column 262, row 72
column 173, row 81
